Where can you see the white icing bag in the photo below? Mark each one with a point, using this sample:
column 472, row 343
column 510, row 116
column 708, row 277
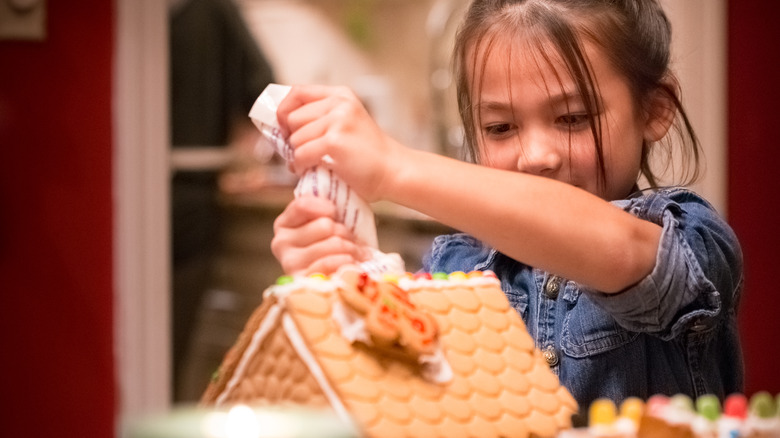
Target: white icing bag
column 351, row 210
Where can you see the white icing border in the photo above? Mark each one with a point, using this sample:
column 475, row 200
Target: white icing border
column 314, row 368
column 330, row 284
column 296, row 340
column 268, row 324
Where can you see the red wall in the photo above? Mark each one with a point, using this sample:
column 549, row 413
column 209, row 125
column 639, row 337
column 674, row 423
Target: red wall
column 754, row 182
column 56, row 291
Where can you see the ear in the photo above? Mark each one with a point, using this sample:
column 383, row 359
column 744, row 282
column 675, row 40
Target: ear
column 660, row 111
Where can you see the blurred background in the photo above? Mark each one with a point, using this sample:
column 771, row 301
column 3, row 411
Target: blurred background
column 87, row 186
column 395, row 54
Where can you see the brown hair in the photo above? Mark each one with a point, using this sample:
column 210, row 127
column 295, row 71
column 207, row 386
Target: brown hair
column 635, row 35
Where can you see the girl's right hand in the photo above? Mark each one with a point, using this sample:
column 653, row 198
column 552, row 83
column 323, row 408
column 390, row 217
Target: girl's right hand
column 308, row 239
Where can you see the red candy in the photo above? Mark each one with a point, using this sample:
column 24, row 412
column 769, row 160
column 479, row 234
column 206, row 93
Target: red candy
column 736, row 405
column 423, row 275
column 656, row 404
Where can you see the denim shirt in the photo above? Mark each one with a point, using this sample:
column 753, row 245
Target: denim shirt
column 675, row 331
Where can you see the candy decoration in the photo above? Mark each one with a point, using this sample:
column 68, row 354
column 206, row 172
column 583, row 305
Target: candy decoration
column 632, row 409
column 682, row 403
column 602, row 413
column 390, row 278
column 284, row 279
column 736, row 406
column 458, row 275
column 762, row 405
column 777, row 404
column 708, row 406
column 392, row 320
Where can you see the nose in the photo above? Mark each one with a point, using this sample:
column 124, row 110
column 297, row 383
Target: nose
column 539, row 155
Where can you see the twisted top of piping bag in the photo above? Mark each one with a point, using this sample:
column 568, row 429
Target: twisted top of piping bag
column 321, row 182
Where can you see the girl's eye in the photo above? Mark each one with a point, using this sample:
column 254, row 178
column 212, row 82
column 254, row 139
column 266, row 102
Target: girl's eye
column 498, row 129
column 573, row 120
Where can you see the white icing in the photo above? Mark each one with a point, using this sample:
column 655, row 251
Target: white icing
column 410, row 284
column 318, row 181
column 382, row 263
column 435, row 367
column 353, row 325
column 330, row 284
column 314, row 368
column 268, row 324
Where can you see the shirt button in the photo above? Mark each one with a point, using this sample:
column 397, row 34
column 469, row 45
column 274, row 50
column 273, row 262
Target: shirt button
column 699, row 326
column 550, row 356
column 552, row 287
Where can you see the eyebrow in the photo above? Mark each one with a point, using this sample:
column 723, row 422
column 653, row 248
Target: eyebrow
column 554, row 100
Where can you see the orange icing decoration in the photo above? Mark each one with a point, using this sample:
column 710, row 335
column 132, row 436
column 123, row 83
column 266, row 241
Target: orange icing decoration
column 391, row 317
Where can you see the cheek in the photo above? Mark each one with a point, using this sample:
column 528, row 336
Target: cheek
column 499, row 156
column 581, row 156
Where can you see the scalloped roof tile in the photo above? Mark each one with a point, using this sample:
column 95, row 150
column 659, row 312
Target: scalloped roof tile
column 501, row 386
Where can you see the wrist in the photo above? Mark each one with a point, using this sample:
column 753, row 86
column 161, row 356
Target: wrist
column 400, row 170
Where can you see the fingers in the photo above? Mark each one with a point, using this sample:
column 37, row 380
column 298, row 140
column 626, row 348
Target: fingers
column 301, row 96
column 307, row 239
column 303, row 210
column 312, row 232
column 325, row 257
column 314, row 118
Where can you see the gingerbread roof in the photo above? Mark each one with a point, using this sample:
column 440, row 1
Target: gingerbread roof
column 293, row 351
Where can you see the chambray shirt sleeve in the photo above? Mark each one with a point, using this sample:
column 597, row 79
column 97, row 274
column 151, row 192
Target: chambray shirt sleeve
column 457, row 252
column 698, row 271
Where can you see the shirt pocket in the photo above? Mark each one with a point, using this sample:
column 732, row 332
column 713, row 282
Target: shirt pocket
column 518, row 300
column 587, row 328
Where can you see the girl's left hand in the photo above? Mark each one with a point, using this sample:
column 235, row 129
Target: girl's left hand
column 331, row 121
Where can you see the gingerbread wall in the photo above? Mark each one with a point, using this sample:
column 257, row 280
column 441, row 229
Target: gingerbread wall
column 56, row 291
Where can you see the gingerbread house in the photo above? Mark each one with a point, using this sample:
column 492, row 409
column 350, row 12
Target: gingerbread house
column 464, row 366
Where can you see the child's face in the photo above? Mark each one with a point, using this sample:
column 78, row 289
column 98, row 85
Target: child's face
column 530, row 118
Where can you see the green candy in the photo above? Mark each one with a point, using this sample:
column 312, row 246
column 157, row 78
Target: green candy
column 440, row 276
column 284, row 279
column 708, row 407
column 762, row 405
column 777, row 404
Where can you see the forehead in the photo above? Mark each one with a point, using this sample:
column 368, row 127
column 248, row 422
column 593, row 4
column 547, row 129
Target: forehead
column 534, row 62
column 503, row 58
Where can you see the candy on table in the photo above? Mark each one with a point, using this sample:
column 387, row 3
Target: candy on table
column 763, row 414
column 656, row 404
column 735, row 410
column 605, row 421
column 632, row 409
column 739, row 416
column 708, row 406
column 736, row 406
column 777, row 404
column 762, row 405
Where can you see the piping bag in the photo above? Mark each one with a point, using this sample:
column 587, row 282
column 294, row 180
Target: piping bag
column 321, row 182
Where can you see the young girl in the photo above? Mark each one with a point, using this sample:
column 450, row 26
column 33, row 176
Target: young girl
column 626, row 292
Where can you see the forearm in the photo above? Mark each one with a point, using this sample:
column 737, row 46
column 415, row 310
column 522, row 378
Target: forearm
column 541, row 222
